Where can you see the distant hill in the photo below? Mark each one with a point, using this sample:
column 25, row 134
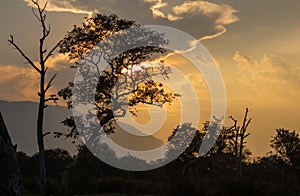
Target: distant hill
column 20, row 118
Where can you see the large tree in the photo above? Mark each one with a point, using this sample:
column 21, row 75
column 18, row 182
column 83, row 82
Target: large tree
column 41, row 68
column 125, row 82
column 118, row 80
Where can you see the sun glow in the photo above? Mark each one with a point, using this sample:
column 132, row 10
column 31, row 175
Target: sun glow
column 131, row 69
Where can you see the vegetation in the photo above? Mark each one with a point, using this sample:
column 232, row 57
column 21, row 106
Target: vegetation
column 213, row 174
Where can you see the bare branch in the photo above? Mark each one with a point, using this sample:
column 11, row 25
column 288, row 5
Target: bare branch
column 247, row 124
column 51, row 99
column 245, row 120
column 50, row 82
column 246, row 136
column 43, row 9
column 11, row 41
column 41, row 18
column 45, row 134
column 35, row 14
column 52, row 50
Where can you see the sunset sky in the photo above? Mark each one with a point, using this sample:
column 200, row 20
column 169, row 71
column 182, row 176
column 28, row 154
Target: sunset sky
column 256, row 45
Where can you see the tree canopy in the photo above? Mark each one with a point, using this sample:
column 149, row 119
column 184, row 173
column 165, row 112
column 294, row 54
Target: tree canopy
column 286, row 144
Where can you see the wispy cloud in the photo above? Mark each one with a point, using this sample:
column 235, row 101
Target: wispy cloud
column 211, row 18
column 157, row 12
column 219, row 14
column 60, row 6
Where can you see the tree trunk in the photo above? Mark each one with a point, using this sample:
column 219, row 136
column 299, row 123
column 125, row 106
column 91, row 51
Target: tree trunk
column 10, row 178
column 40, row 136
column 65, row 174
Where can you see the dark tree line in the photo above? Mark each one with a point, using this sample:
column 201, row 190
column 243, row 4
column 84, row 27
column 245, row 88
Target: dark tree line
column 213, row 174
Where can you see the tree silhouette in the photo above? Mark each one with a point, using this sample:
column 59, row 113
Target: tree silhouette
column 230, row 141
column 123, row 84
column 114, row 86
column 41, row 69
column 224, row 141
column 286, row 144
column 179, row 141
column 240, row 134
column 220, row 152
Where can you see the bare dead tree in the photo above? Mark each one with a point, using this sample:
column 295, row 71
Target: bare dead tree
column 240, row 134
column 42, row 69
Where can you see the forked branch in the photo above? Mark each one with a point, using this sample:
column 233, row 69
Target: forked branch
column 11, row 41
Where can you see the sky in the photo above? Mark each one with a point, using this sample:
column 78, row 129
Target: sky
column 254, row 43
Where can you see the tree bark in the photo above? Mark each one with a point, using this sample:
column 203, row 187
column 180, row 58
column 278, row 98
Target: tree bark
column 10, row 178
column 40, row 137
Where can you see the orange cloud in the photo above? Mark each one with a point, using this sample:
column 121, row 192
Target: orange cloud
column 224, row 13
column 221, row 14
column 59, row 6
column 19, row 83
column 270, row 77
column 156, row 10
column 58, row 62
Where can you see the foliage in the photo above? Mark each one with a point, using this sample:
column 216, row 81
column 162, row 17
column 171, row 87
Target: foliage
column 80, row 40
column 286, row 144
column 179, row 142
column 116, row 90
column 210, row 175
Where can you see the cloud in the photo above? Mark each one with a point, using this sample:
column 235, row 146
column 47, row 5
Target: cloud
column 202, row 19
column 156, row 10
column 245, row 63
column 270, row 78
column 59, row 6
column 219, row 14
column 58, row 62
column 19, row 83
column 223, row 13
column 269, row 65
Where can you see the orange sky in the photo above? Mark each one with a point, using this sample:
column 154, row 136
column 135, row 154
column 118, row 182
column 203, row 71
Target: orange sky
column 255, row 43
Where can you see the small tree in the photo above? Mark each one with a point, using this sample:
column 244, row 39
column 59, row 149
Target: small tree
column 223, row 142
column 286, row 143
column 41, row 69
column 185, row 139
column 240, row 134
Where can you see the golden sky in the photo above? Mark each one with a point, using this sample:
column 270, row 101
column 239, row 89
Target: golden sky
column 255, row 44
